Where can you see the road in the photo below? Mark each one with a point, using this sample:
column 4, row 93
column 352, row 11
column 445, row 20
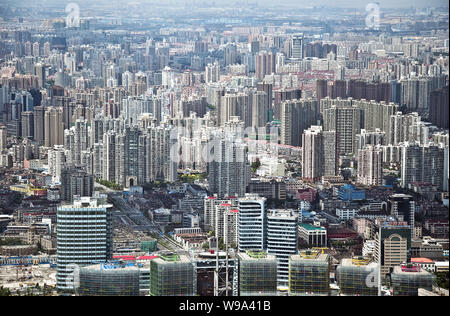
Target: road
column 131, row 216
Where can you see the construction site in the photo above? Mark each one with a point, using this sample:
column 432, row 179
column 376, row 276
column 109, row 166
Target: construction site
column 21, row 278
column 309, row 273
column 407, row 279
column 255, row 274
column 357, row 277
column 172, row 274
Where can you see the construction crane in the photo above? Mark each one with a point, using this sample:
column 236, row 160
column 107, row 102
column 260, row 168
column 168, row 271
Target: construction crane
column 219, row 282
column 320, row 248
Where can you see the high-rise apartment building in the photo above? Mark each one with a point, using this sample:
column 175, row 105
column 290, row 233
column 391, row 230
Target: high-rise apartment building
column 319, row 154
column 39, row 124
column 212, row 72
column 297, row 116
column 228, row 167
column 53, row 126
column 76, row 182
column 27, row 124
column 423, row 164
column 264, row 64
column 3, row 137
column 346, row 121
column 260, row 110
column 439, row 107
column 370, row 170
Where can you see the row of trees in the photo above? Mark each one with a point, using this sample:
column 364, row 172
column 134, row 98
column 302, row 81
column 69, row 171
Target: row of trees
column 109, row 184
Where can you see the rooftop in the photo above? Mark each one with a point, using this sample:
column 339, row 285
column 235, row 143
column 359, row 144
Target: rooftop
column 310, row 255
column 410, row 269
column 421, row 260
column 350, row 262
column 256, row 255
column 311, row 227
column 111, row 266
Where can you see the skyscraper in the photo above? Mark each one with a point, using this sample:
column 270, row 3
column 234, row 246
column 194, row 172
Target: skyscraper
column 228, row 166
column 439, row 107
column 76, row 182
column 39, row 124
column 27, row 124
column 370, row 166
column 346, row 121
column 297, row 116
column 53, row 126
column 319, row 154
column 403, row 206
column 392, row 245
column 83, row 235
column 251, row 223
column 264, row 64
column 282, row 226
column 423, row 164
column 297, row 46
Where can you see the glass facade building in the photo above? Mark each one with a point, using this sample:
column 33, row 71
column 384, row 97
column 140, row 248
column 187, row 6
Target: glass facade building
column 83, row 237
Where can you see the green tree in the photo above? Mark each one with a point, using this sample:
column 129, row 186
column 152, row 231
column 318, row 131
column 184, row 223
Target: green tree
column 4, row 291
column 255, row 165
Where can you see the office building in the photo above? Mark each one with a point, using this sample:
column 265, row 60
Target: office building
column 251, row 222
column 313, row 236
column 83, row 236
column 404, row 207
column 282, row 240
column 297, row 46
column 392, row 245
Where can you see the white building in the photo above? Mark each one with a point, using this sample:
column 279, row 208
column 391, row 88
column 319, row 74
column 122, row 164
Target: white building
column 251, row 222
column 282, row 240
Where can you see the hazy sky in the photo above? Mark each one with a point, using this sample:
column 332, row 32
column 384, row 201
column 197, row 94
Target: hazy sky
column 300, row 3
column 363, row 3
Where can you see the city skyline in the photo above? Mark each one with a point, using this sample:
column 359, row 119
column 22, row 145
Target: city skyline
column 224, row 149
